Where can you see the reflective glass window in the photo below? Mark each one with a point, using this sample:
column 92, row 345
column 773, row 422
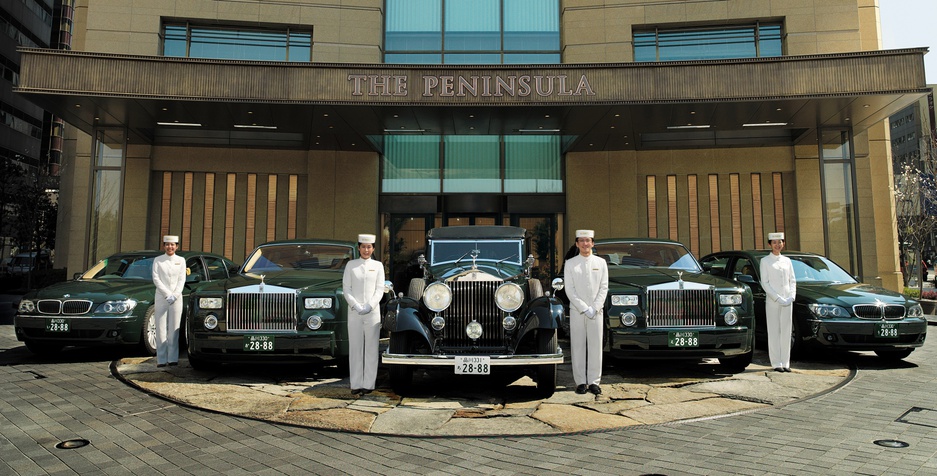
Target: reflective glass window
column 413, row 25
column 472, row 26
column 472, row 164
column 531, row 25
column 411, row 164
column 742, row 41
column 186, row 40
column 532, row 164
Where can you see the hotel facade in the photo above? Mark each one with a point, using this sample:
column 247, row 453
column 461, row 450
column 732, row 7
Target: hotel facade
column 710, row 122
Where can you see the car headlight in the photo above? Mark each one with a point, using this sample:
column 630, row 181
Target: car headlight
column 437, row 296
column 916, row 311
column 509, row 323
column 116, row 307
column 314, row 321
column 437, row 322
column 628, row 319
column 27, row 306
column 210, row 302
column 730, row 300
column 318, row 303
column 210, row 322
column 473, row 330
column 827, row 310
column 624, row 300
column 509, row 297
column 731, row 317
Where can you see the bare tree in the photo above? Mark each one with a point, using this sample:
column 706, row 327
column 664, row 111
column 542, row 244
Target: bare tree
column 916, row 208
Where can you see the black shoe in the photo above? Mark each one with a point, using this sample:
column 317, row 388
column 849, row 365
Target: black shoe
column 581, row 389
column 787, row 369
column 160, row 365
column 595, row 389
column 365, row 391
column 357, row 391
column 173, row 364
column 779, row 369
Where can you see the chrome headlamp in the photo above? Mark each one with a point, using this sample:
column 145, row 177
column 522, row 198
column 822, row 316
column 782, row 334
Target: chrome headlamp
column 314, row 321
column 437, row 296
column 116, row 307
column 210, row 302
column 827, row 310
column 437, row 322
column 28, row 306
column 473, row 330
column 624, row 300
column 730, row 299
column 731, row 317
column 318, row 303
column 210, row 322
column 509, row 297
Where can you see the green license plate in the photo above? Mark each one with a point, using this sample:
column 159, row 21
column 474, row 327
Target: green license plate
column 683, row 339
column 886, row 330
column 57, row 325
column 258, row 343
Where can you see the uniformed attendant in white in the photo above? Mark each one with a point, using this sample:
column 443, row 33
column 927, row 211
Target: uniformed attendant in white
column 777, row 279
column 169, row 274
column 363, row 286
column 586, row 277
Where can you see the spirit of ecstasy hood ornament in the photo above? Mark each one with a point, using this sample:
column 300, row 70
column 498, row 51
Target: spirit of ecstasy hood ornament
column 260, row 287
column 680, row 279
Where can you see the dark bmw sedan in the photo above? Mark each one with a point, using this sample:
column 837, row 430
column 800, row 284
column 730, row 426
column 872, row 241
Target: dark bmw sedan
column 832, row 309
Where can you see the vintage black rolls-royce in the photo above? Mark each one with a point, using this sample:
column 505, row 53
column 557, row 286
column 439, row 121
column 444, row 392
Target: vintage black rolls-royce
column 661, row 305
column 475, row 308
column 284, row 305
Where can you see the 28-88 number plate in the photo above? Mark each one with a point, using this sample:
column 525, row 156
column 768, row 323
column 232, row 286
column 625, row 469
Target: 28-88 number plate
column 258, row 343
column 472, row 365
column 57, row 325
column 683, row 339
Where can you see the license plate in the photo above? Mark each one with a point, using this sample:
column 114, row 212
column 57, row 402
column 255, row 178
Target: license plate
column 474, row 365
column 57, row 325
column 259, row 343
column 683, row 339
column 886, row 331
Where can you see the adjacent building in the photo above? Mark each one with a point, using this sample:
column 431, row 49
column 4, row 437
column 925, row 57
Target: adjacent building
column 713, row 123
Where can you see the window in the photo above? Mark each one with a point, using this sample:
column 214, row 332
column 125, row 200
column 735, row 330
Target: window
column 476, row 32
column 262, row 44
column 742, row 41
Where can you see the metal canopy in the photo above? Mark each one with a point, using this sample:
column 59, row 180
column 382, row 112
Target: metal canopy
column 178, row 101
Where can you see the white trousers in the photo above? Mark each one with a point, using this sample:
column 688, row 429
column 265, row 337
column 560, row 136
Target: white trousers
column 778, row 320
column 167, row 317
column 585, row 342
column 364, row 333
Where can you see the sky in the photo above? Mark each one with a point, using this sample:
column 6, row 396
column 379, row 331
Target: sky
column 911, row 23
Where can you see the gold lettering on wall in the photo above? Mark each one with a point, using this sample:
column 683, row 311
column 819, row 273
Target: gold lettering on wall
column 291, row 210
column 229, row 216
column 165, row 208
column 756, row 211
column 209, row 211
column 271, row 207
column 714, row 213
column 735, row 202
column 187, row 211
column 672, row 206
column 694, row 214
column 778, row 201
column 651, row 206
column 251, row 213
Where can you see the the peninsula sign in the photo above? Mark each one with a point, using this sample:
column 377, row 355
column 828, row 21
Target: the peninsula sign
column 471, row 86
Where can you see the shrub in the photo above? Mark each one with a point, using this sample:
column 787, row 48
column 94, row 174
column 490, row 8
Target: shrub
column 932, row 295
column 912, row 293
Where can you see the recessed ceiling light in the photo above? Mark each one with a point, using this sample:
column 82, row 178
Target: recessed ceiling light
column 253, row 126
column 690, row 126
column 179, row 124
column 765, row 124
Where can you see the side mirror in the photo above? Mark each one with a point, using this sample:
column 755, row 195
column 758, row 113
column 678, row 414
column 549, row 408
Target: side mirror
column 744, row 278
column 558, row 284
column 388, row 287
column 76, row 276
column 192, row 278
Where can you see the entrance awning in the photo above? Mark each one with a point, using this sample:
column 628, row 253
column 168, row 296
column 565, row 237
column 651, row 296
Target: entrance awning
column 621, row 106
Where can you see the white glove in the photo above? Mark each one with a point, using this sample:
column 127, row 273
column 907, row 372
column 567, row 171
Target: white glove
column 590, row 313
column 170, row 299
column 785, row 301
column 365, row 309
column 357, row 308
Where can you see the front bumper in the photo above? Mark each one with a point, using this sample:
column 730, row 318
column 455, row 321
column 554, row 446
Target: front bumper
column 449, row 359
column 81, row 330
column 306, row 347
column 652, row 343
column 856, row 334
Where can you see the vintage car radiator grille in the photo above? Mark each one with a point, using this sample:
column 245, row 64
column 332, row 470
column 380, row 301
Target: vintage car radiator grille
column 473, row 300
column 69, row 307
column 681, row 308
column 871, row 311
column 261, row 312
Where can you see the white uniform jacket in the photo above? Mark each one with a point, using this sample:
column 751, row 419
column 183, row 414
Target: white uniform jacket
column 363, row 283
column 169, row 276
column 777, row 277
column 586, row 283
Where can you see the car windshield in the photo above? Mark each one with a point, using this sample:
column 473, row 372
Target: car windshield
column 817, row 269
column 122, row 267
column 450, row 251
column 297, row 256
column 648, row 255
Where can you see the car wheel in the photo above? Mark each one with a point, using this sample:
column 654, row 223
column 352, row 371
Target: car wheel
column 43, row 348
column 148, row 333
column 401, row 376
column 893, row 355
column 546, row 374
column 737, row 363
column 415, row 291
column 536, row 288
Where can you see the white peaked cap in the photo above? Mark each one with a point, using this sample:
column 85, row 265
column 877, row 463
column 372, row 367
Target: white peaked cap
column 364, row 238
column 775, row 236
column 170, row 239
column 585, row 233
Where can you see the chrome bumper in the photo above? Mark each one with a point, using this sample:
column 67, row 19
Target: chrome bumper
column 419, row 359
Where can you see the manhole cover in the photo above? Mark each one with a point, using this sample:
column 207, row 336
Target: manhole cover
column 72, row 444
column 891, row 443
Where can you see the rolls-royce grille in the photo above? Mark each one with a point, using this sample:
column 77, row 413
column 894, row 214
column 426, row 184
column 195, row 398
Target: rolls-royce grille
column 681, row 308
column 473, row 300
column 872, row 311
column 69, row 307
column 262, row 312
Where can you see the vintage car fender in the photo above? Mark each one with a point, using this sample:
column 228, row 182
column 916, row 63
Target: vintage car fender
column 543, row 314
column 404, row 315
